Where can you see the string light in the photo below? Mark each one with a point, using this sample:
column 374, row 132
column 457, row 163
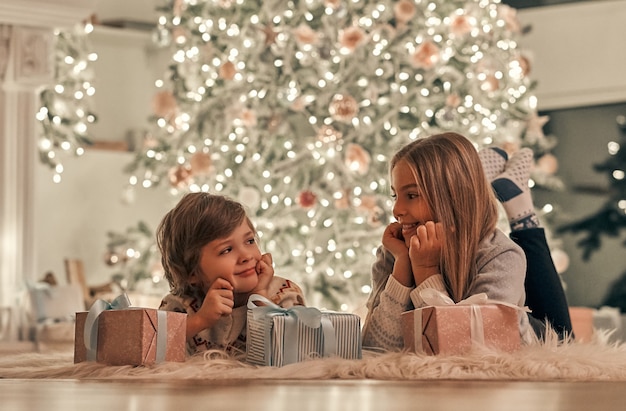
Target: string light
column 65, row 114
column 307, row 118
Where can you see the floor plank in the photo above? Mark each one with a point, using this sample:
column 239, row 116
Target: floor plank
column 340, row 395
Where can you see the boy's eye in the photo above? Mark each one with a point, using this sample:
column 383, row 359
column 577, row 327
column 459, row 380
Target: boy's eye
column 251, row 241
column 394, row 196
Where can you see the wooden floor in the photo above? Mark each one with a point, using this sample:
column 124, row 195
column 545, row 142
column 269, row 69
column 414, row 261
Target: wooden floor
column 344, row 395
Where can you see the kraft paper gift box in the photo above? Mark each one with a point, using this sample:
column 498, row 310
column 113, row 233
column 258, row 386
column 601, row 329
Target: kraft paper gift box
column 454, row 329
column 278, row 336
column 129, row 335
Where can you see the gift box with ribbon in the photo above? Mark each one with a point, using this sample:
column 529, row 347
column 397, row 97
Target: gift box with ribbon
column 586, row 321
column 277, row 336
column 446, row 328
column 117, row 334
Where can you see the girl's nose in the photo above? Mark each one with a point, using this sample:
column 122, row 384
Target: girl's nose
column 397, row 210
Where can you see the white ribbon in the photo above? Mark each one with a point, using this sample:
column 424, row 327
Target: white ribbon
column 436, row 298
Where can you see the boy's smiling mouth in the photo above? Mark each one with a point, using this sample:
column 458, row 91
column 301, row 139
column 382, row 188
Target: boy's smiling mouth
column 246, row 273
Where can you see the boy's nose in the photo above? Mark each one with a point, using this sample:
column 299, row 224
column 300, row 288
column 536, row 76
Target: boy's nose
column 245, row 257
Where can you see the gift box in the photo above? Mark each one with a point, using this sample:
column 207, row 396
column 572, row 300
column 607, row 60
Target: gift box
column 455, row 329
column 277, row 336
column 582, row 322
column 586, row 321
column 130, row 336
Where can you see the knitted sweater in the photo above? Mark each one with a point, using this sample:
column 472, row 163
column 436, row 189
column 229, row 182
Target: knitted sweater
column 229, row 333
column 501, row 268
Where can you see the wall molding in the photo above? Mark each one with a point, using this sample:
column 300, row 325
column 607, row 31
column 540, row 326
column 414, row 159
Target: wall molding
column 45, row 13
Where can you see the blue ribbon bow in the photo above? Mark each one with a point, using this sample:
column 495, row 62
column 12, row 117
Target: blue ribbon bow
column 91, row 323
column 309, row 316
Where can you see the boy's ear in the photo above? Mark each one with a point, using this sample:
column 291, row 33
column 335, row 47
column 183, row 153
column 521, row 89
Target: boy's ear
column 193, row 278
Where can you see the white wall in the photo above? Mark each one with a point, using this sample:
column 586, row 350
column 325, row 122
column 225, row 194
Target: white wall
column 73, row 216
column 578, row 51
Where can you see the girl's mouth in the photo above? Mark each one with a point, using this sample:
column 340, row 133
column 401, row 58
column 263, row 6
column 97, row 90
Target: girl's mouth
column 408, row 230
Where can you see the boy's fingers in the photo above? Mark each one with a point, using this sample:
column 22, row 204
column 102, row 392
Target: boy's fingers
column 267, row 257
column 221, row 284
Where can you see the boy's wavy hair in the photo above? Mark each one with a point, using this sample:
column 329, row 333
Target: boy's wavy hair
column 450, row 176
column 196, row 220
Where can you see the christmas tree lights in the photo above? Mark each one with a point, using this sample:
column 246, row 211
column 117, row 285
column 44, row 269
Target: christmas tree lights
column 65, row 112
column 610, row 219
column 295, row 107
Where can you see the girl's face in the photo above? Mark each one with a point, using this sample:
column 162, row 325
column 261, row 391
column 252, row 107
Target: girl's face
column 410, row 207
column 233, row 258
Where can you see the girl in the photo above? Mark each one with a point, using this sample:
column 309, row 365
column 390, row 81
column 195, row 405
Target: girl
column 212, row 262
column 446, row 236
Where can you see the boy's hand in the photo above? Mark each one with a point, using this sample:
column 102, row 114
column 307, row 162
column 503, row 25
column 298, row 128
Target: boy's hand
column 265, row 270
column 425, row 250
column 219, row 301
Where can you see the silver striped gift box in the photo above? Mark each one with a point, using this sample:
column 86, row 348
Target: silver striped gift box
column 269, row 340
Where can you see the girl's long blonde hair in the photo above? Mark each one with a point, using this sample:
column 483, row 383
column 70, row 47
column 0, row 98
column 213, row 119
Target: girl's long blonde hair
column 449, row 175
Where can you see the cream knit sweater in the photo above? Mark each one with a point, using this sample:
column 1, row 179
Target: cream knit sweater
column 501, row 272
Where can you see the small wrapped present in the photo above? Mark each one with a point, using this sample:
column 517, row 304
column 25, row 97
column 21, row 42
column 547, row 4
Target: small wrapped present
column 117, row 334
column 447, row 328
column 582, row 323
column 586, row 321
column 277, row 336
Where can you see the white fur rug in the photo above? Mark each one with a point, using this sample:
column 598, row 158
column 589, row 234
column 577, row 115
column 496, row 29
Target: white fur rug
column 598, row 360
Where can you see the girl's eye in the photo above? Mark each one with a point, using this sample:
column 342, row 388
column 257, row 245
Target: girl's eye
column 412, row 196
column 226, row 250
column 394, row 196
column 251, row 241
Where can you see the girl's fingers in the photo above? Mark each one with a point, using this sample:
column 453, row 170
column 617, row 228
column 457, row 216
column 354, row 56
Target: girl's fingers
column 430, row 231
column 415, row 242
column 440, row 231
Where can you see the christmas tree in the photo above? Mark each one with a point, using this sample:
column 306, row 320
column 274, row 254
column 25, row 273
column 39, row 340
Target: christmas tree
column 610, row 219
column 66, row 113
column 295, row 107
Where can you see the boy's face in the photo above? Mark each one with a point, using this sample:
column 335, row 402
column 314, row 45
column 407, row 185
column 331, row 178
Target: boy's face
column 233, row 258
column 410, row 207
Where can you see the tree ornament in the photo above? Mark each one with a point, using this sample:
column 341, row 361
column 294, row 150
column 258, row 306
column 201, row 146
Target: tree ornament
column 180, row 176
column 307, row 199
column 201, row 164
column 343, row 107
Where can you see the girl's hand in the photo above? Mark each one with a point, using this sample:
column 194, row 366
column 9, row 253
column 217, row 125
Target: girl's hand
column 265, row 271
column 425, row 251
column 394, row 241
